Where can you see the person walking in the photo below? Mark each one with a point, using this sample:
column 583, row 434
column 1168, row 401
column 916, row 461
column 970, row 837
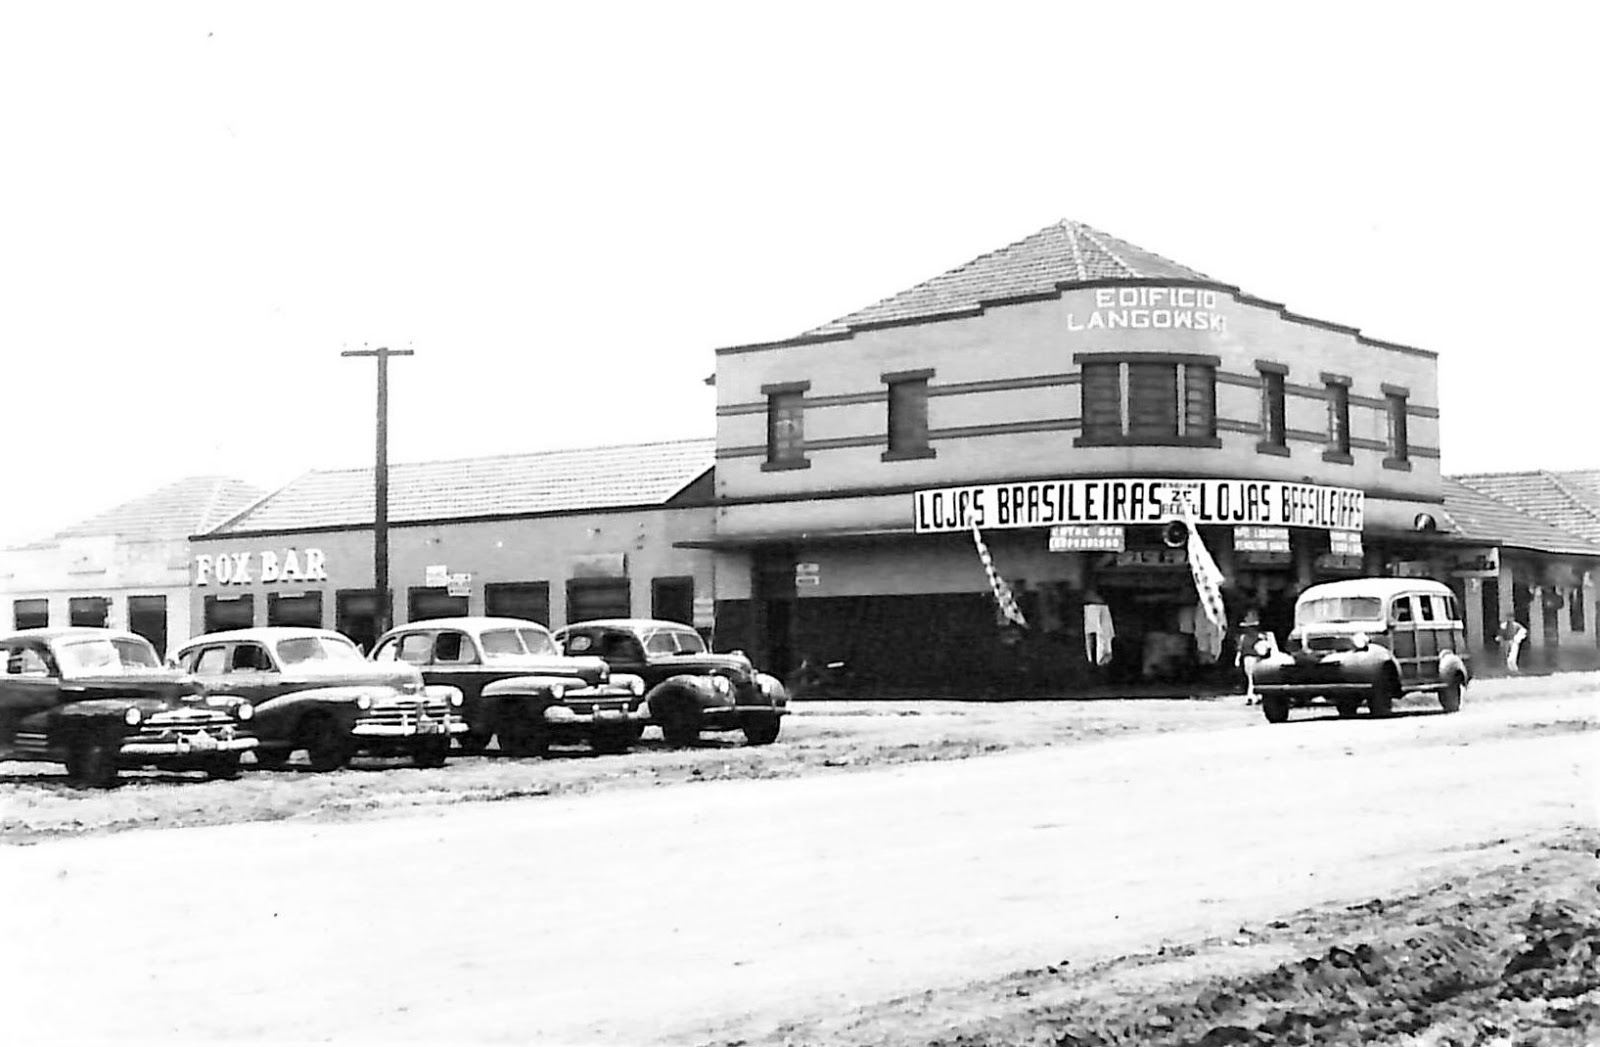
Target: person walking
column 1512, row 635
column 1254, row 644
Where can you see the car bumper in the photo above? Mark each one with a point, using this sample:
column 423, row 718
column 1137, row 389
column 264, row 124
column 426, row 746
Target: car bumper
column 733, row 715
column 558, row 716
column 411, row 730
column 1362, row 687
column 187, row 747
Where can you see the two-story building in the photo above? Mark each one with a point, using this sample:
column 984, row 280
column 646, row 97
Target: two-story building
column 1065, row 397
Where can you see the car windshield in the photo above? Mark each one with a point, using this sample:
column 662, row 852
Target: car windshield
column 100, row 656
column 516, row 643
column 303, row 649
column 1339, row 609
column 674, row 641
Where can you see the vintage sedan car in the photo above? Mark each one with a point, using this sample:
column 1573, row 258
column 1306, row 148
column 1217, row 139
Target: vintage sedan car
column 99, row 700
column 1367, row 641
column 688, row 689
column 517, row 684
column 313, row 690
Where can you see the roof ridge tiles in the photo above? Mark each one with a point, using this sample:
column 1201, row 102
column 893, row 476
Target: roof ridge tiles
column 1095, row 237
column 1077, row 249
column 1561, row 485
column 510, row 455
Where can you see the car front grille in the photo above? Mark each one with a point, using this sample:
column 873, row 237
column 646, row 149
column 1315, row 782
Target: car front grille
column 186, row 723
column 405, row 714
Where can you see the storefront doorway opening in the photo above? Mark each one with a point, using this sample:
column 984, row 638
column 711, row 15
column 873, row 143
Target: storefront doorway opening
column 147, row 616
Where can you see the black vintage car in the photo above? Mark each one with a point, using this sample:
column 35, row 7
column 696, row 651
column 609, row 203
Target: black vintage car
column 688, row 689
column 314, row 691
column 518, row 685
column 99, row 700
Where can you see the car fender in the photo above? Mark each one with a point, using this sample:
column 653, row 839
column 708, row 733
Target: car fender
column 520, row 689
column 1452, row 664
column 280, row 715
column 443, row 692
column 772, row 688
column 684, row 688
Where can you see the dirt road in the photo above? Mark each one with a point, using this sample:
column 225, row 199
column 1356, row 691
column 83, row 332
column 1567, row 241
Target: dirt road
column 672, row 914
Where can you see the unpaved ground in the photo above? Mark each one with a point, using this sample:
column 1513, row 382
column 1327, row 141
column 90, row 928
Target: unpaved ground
column 737, row 908
column 819, row 738
column 1506, row 956
column 829, row 737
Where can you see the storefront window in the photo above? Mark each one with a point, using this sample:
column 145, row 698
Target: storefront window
column 529, row 601
column 301, row 609
column 89, row 611
column 591, row 598
column 230, row 612
column 30, row 614
column 424, row 602
column 356, row 615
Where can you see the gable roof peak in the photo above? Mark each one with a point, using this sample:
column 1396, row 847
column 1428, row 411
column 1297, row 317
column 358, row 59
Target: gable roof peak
column 1046, row 262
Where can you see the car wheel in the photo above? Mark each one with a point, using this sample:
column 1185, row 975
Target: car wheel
column 763, row 731
column 473, row 742
column 1347, row 707
column 222, row 767
column 271, row 759
column 524, row 734
column 680, row 724
column 326, row 746
column 1383, row 695
column 1450, row 696
column 92, row 764
column 610, row 743
column 1275, row 708
column 431, row 753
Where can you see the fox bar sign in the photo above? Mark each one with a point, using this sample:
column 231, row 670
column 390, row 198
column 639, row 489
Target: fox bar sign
column 1052, row 503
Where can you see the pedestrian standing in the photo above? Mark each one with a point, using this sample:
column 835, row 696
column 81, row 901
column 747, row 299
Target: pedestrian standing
column 1254, row 644
column 1512, row 634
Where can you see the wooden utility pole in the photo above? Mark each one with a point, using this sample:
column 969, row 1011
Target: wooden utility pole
column 380, row 512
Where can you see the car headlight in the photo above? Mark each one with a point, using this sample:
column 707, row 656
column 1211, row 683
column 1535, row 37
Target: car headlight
column 456, row 699
column 364, row 702
column 721, row 685
column 1360, row 641
column 245, row 711
column 131, row 716
column 557, row 691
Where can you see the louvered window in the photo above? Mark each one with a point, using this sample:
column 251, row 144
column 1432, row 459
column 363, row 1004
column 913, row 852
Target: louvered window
column 1338, row 416
column 1156, row 401
column 786, row 425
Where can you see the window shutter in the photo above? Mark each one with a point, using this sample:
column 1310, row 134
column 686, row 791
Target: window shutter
column 1102, row 401
column 1199, row 400
column 1152, row 401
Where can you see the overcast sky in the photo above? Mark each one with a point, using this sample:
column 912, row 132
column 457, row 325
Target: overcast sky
column 563, row 209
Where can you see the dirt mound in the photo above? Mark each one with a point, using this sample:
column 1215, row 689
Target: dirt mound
column 1530, row 979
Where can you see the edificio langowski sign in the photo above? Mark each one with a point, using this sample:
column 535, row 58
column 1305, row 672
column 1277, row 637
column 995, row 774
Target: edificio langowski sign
column 1044, row 503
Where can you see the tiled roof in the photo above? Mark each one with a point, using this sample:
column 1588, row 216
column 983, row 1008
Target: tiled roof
column 1568, row 500
column 504, row 485
column 172, row 512
column 1056, row 256
column 1485, row 518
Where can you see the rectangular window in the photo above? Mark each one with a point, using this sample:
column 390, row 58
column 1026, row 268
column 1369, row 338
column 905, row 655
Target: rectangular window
column 424, row 602
column 147, row 616
column 1338, row 393
column 1575, row 620
column 529, row 601
column 299, row 609
column 90, row 611
column 1399, row 431
column 30, row 614
column 591, row 598
column 908, row 416
column 1149, row 401
column 229, row 612
column 672, row 599
column 1274, row 414
column 786, row 425
column 356, row 614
